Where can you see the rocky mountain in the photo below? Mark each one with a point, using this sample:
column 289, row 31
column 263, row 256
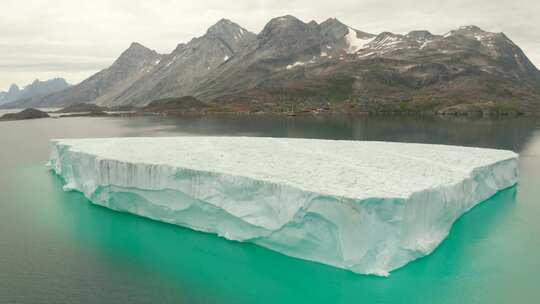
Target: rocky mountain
column 330, row 64
column 105, row 85
column 11, row 94
column 416, row 72
column 35, row 89
column 281, row 54
column 180, row 72
column 25, row 114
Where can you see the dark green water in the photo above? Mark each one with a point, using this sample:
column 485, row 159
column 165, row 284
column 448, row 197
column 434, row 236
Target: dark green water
column 55, row 247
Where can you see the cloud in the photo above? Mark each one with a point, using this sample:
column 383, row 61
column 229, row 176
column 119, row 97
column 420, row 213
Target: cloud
column 75, row 38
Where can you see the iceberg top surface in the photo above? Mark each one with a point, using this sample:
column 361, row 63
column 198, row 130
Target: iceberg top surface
column 351, row 169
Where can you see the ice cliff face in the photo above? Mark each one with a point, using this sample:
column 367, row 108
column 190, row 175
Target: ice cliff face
column 369, row 207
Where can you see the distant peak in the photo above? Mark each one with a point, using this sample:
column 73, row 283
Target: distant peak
column 284, row 22
column 286, row 18
column 420, row 35
column 224, row 25
column 136, row 45
column 338, row 29
column 468, row 30
column 58, row 80
column 332, row 24
column 14, row 88
column 135, row 55
column 230, row 33
column 332, row 21
column 137, row 49
column 387, row 34
column 224, row 21
column 472, row 28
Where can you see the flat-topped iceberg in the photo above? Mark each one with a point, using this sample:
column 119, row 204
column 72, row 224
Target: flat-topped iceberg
column 369, row 207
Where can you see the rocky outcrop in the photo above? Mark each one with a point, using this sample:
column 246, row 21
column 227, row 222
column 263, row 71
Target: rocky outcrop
column 175, row 106
column 29, row 113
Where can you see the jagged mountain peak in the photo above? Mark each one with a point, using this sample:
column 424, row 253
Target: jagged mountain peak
column 333, row 31
column 37, row 89
column 137, row 47
column 136, row 51
column 179, row 47
column 136, row 55
column 468, row 30
column 288, row 34
column 55, row 83
column 313, row 23
column 332, row 22
column 279, row 24
column 420, row 35
column 229, row 34
column 224, row 26
column 13, row 88
column 333, row 25
column 472, row 36
column 471, row 28
column 387, row 34
column 224, row 22
column 285, row 19
column 228, row 59
column 388, row 37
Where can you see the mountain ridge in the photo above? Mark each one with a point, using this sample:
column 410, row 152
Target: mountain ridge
column 36, row 89
column 312, row 63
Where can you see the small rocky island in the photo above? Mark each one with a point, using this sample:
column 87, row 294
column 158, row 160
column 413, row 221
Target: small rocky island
column 82, row 109
column 176, row 106
column 29, row 113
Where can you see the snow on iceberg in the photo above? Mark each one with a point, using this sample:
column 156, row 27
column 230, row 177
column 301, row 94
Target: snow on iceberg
column 369, row 207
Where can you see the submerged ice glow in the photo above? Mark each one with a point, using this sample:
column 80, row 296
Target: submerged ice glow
column 369, row 207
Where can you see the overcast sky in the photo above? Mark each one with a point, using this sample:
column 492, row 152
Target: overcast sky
column 76, row 38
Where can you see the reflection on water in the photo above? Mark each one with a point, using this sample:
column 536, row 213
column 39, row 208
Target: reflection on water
column 503, row 133
column 54, row 245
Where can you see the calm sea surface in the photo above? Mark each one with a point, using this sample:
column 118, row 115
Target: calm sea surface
column 56, row 247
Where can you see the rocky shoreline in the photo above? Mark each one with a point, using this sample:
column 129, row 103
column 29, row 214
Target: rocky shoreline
column 190, row 106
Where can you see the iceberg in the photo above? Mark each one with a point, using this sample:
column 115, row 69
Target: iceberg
column 369, row 207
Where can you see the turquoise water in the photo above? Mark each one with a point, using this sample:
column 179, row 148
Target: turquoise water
column 56, row 247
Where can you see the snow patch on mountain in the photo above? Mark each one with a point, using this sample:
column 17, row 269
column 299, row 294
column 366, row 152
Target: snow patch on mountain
column 354, row 42
column 298, row 63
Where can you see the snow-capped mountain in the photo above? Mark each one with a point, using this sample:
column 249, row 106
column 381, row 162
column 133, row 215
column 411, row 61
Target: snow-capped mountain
column 312, row 63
